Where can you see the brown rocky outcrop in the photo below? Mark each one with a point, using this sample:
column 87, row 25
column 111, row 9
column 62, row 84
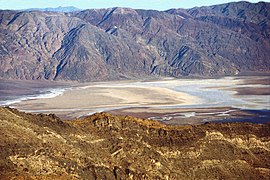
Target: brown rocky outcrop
column 103, row 146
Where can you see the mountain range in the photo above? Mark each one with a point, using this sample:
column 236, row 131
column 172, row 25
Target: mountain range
column 57, row 9
column 124, row 43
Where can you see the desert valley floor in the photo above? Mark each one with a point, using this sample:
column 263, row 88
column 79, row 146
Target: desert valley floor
column 174, row 101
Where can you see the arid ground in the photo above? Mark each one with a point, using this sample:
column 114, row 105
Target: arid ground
column 169, row 100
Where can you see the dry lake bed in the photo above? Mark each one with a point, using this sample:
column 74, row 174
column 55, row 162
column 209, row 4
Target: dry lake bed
column 173, row 101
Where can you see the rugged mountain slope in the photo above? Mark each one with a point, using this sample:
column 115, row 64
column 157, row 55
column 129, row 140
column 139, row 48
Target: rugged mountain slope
column 117, row 43
column 103, row 146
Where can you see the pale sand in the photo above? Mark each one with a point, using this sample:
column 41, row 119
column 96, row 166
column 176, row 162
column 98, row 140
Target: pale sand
column 106, row 96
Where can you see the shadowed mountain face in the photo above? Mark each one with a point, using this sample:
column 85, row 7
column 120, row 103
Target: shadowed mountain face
column 119, row 43
column 103, row 146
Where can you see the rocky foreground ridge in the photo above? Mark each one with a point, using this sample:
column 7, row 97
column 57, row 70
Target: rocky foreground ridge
column 120, row 43
column 103, row 146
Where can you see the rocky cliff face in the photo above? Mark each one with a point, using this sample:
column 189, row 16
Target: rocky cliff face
column 119, row 43
column 103, row 146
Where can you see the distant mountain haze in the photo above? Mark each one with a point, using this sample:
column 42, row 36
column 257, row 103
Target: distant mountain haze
column 123, row 43
column 57, row 9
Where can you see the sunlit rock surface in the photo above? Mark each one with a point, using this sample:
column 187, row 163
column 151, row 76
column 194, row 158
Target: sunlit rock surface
column 103, row 146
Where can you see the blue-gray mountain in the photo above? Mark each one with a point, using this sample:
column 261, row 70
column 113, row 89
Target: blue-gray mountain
column 57, row 9
column 118, row 43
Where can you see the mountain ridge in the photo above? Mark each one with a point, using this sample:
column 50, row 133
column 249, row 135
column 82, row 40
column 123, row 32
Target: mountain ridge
column 125, row 43
column 56, row 9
